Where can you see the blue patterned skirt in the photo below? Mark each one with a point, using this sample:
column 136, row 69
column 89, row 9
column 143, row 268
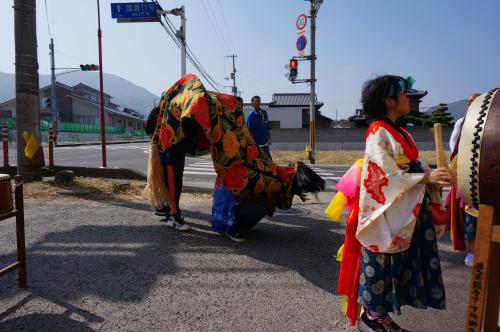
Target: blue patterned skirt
column 412, row 277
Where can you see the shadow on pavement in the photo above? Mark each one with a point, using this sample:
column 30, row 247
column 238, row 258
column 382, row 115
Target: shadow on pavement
column 121, row 263
column 291, row 239
column 44, row 322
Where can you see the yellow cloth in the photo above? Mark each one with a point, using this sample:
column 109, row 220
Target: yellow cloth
column 340, row 252
column 31, row 144
column 336, row 206
column 473, row 212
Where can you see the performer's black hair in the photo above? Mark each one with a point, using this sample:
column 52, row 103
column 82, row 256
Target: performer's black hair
column 376, row 91
column 306, row 180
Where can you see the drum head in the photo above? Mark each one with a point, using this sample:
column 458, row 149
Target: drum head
column 479, row 151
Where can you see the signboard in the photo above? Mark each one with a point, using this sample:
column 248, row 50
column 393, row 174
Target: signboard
column 301, row 22
column 134, row 10
column 301, row 43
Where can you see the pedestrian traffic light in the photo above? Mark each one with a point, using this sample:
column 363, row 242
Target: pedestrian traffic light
column 293, row 69
column 88, row 67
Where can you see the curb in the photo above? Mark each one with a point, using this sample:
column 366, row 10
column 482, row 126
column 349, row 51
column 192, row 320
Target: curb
column 107, row 173
column 99, row 143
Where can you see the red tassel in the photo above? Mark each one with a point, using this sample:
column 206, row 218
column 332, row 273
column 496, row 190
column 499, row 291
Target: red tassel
column 171, row 189
column 456, row 224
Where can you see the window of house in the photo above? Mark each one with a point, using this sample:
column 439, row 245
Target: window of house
column 94, row 98
column 275, row 124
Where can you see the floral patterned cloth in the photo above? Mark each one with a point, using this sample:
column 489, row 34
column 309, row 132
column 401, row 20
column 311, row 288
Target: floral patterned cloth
column 217, row 120
column 390, row 196
column 411, row 277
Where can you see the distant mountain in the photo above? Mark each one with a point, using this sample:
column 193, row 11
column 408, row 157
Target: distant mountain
column 124, row 92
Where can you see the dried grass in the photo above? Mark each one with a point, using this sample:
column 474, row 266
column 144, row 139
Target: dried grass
column 336, row 157
column 331, row 157
column 88, row 188
column 97, row 189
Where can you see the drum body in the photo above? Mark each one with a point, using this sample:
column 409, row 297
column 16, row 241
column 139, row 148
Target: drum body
column 479, row 152
column 6, row 203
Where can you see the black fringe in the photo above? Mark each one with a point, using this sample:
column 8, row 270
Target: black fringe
column 306, row 180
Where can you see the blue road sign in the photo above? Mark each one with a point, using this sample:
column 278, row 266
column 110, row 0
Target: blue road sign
column 133, row 10
column 301, row 43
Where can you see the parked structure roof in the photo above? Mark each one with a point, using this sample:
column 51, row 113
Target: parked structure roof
column 413, row 93
column 293, row 100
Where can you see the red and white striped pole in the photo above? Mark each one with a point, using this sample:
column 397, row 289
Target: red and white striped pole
column 51, row 147
column 5, row 139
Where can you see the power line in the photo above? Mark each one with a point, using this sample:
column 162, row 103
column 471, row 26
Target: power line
column 69, row 56
column 213, row 22
column 225, row 24
column 169, row 28
column 47, row 18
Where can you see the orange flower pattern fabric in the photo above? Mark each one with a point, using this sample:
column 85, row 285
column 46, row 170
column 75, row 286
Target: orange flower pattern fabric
column 243, row 168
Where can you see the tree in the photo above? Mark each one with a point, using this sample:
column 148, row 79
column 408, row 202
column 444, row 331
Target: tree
column 441, row 115
column 419, row 120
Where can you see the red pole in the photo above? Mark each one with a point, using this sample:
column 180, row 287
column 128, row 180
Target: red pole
column 171, row 190
column 103, row 128
column 5, row 139
column 51, row 147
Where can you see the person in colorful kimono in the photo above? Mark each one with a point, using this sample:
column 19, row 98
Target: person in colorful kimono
column 259, row 127
column 390, row 255
column 468, row 213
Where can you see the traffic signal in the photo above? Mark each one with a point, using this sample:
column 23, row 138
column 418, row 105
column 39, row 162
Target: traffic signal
column 47, row 103
column 88, row 67
column 293, row 69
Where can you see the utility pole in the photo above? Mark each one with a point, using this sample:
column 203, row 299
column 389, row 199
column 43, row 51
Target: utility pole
column 315, row 4
column 103, row 123
column 293, row 70
column 55, row 114
column 181, row 33
column 234, row 88
column 27, row 91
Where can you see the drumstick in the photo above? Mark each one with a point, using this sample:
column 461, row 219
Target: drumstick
column 438, row 140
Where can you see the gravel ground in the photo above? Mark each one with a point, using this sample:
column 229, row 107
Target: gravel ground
column 112, row 266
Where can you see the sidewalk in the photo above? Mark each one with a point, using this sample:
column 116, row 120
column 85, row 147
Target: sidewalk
column 61, row 144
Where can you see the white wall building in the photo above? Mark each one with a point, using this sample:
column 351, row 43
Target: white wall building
column 291, row 110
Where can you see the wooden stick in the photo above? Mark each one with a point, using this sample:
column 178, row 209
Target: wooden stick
column 438, row 140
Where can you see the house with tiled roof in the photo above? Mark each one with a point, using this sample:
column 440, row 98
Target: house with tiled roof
column 81, row 104
column 291, row 110
column 360, row 120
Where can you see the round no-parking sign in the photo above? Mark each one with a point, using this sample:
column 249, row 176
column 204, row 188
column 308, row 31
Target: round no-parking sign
column 301, row 43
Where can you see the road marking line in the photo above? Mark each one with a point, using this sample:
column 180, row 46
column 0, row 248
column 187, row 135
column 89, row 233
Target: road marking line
column 200, row 173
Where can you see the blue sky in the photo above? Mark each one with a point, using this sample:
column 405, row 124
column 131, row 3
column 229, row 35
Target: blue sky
column 451, row 47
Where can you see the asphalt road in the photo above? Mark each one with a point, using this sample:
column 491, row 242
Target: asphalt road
column 134, row 156
column 112, row 266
